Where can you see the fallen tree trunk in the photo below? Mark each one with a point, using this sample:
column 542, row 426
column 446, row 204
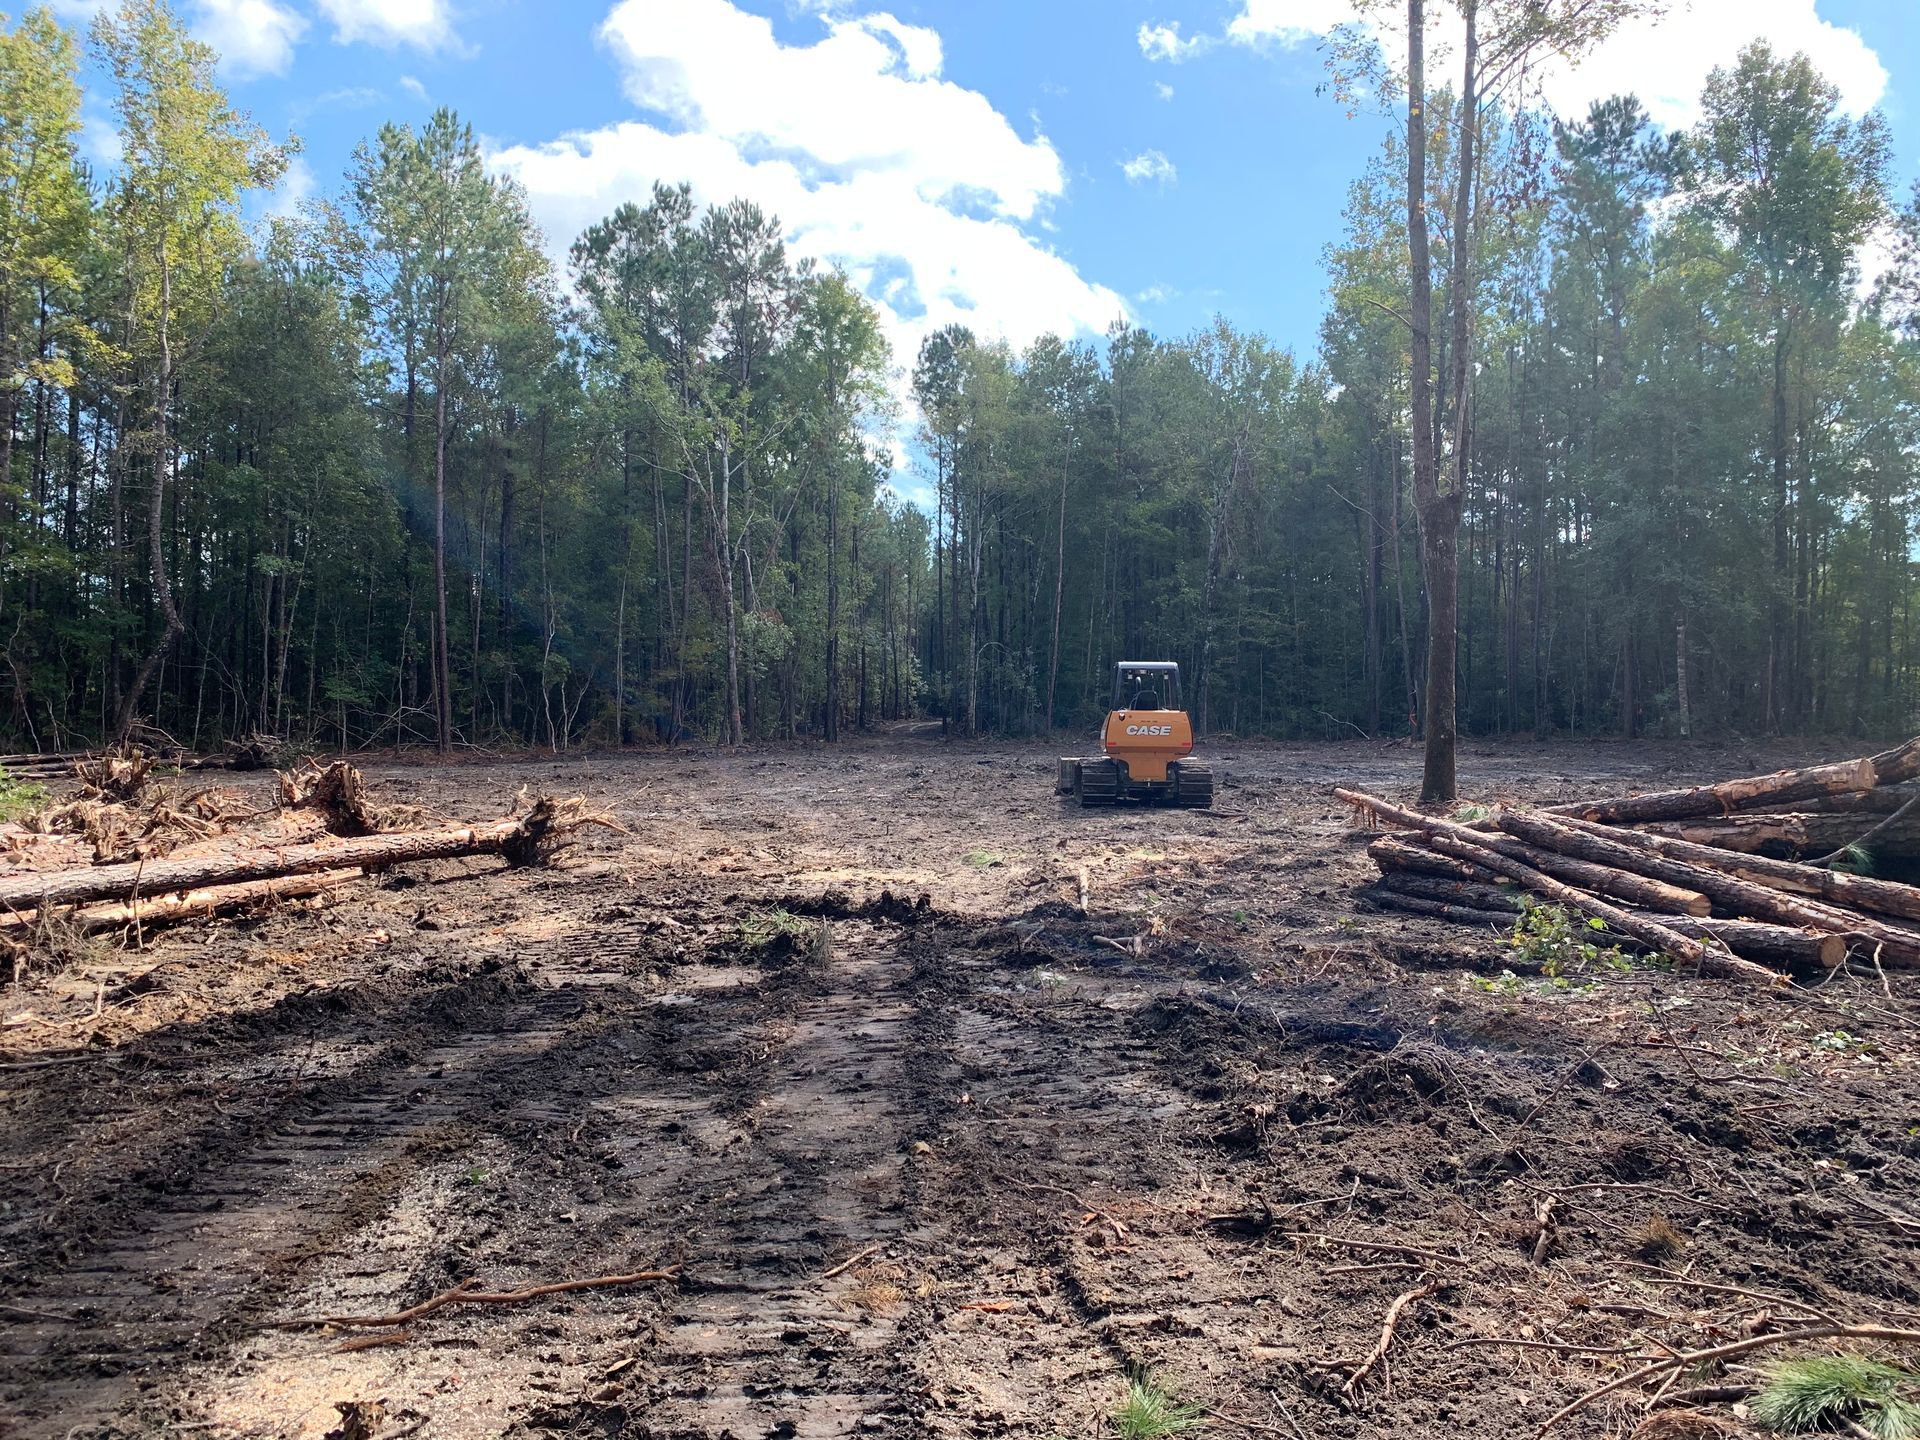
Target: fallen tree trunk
column 1836, row 887
column 1727, row 796
column 1794, row 833
column 1386, row 899
column 1396, row 855
column 1890, row 767
column 1744, row 897
column 191, row 904
column 1883, row 801
column 521, row 841
column 1472, row 894
column 1391, row 851
column 1769, row 944
column 1479, row 904
column 1469, row 845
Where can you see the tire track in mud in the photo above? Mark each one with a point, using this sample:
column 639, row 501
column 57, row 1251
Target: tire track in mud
column 753, row 1119
column 197, row 1261
column 793, row 1168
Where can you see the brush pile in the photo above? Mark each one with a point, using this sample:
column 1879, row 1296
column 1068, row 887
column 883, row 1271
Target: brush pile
column 127, row 854
column 1746, row 878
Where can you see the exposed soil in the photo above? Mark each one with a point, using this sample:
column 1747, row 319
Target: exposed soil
column 822, row 1007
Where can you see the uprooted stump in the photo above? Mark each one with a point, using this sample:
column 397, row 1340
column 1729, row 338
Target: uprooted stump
column 339, row 794
column 115, row 778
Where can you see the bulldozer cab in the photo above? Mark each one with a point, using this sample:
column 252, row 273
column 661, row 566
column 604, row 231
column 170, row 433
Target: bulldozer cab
column 1146, row 685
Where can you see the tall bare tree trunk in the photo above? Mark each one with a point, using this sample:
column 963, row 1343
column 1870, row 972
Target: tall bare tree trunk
column 1680, row 675
column 1438, row 557
column 442, row 667
column 1059, row 584
column 156, row 519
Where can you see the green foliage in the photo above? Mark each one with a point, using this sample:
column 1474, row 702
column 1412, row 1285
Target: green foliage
column 1562, row 944
column 1150, row 1411
column 984, row 859
column 1834, row 1391
column 663, row 505
column 1854, row 860
column 19, row 797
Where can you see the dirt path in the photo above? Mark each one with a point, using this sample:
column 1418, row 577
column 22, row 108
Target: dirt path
column 949, row 1167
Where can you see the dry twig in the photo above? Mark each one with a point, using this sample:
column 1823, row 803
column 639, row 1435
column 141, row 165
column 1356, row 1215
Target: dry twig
column 1395, row 1313
column 465, row 1293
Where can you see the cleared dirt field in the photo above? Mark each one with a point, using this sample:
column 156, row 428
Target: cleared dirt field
column 933, row 1152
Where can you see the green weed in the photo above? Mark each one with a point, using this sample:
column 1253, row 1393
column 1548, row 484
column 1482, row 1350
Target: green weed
column 1837, row 1392
column 1561, row 944
column 983, row 859
column 1151, row 1412
column 19, row 797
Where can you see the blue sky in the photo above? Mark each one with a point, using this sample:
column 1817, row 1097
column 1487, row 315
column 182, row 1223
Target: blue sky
column 1021, row 166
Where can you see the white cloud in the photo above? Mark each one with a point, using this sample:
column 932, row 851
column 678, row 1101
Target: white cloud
column 1156, row 294
column 424, row 24
column 917, row 186
column 296, row 187
column 1667, row 64
column 1163, row 90
column 1664, row 60
column 920, row 47
column 1874, row 257
column 254, row 37
column 1165, row 42
column 100, row 140
column 1149, row 165
column 1286, row 22
column 414, row 88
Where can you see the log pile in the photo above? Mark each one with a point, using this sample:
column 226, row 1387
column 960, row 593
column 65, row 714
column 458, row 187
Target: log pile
column 1696, row 874
column 210, row 854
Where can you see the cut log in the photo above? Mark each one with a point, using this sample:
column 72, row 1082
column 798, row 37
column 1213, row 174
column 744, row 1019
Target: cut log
column 1471, row 894
column 1769, row 944
column 1902, row 763
column 1464, row 844
column 1744, row 897
column 180, row 905
column 1469, row 904
column 1857, row 892
column 1395, row 854
column 1728, row 795
column 1636, row 925
column 1638, row 890
column 1883, row 801
column 1385, row 899
column 521, row 841
column 1785, row 835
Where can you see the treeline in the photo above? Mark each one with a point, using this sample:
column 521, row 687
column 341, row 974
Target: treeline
column 378, row 475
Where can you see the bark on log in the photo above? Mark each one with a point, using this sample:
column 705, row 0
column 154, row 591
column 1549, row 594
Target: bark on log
column 1902, row 763
column 1471, row 846
column 1472, row 894
column 1788, row 834
column 1889, row 767
column 1655, row 934
column 1638, row 890
column 1769, row 944
column 1883, row 801
column 1435, row 909
column 180, row 905
column 1857, row 892
column 519, row 840
column 1473, row 904
column 1748, row 898
column 1727, row 796
column 1396, row 855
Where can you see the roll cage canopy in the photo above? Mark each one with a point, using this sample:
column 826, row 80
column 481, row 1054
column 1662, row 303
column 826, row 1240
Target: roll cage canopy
column 1146, row 685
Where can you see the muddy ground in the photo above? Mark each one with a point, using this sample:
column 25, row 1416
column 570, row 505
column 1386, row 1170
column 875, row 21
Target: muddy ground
column 929, row 1152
